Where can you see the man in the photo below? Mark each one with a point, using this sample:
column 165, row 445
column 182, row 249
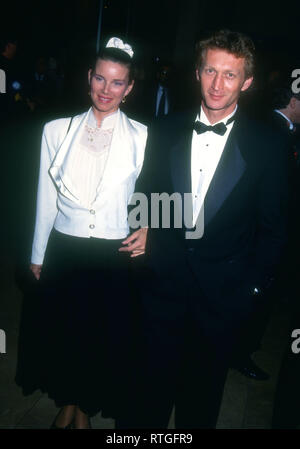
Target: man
column 286, row 105
column 200, row 292
column 285, row 118
column 13, row 103
column 156, row 98
column 8, row 48
column 161, row 92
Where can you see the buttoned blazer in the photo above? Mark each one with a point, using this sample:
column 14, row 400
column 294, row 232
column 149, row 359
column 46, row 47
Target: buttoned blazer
column 57, row 200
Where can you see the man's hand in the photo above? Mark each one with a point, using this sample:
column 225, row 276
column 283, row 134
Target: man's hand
column 135, row 243
column 36, row 270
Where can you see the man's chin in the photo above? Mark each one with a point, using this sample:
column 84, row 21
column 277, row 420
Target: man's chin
column 215, row 107
column 212, row 106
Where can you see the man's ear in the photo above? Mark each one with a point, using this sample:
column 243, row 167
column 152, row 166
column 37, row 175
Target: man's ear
column 292, row 103
column 198, row 74
column 247, row 83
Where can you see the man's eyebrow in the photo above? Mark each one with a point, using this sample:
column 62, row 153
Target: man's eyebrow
column 208, row 66
column 232, row 71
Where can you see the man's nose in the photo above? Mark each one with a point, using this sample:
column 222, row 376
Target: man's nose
column 217, row 83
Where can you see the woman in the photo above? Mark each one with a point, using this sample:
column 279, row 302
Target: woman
column 89, row 165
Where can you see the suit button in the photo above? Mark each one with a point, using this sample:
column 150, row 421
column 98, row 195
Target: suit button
column 92, row 212
column 91, row 226
column 191, row 250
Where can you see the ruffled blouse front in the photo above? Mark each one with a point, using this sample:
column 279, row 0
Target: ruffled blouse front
column 88, row 159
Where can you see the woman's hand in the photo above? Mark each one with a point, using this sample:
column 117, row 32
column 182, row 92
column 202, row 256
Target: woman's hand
column 36, row 270
column 136, row 243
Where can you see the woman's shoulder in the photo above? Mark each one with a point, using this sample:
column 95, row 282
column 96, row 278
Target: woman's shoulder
column 56, row 130
column 56, row 125
column 61, row 123
column 135, row 124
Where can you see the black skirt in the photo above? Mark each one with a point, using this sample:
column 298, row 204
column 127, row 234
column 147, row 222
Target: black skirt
column 78, row 328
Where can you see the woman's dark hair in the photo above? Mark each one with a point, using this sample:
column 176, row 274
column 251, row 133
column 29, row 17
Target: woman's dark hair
column 116, row 55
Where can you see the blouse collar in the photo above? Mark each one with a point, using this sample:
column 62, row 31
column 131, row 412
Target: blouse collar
column 107, row 123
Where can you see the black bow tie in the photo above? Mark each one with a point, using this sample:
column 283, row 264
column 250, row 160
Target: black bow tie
column 219, row 128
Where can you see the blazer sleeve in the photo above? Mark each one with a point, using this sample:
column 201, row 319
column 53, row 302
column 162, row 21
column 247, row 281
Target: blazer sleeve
column 46, row 209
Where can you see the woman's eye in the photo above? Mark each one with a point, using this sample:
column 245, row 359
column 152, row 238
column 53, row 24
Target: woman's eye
column 118, row 83
column 98, row 78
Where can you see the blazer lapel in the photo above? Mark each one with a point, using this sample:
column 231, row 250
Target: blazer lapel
column 58, row 167
column 123, row 159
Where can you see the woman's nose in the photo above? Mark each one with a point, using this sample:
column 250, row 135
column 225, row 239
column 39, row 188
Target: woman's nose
column 105, row 88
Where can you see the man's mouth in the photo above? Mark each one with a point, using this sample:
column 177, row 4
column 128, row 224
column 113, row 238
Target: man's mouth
column 215, row 97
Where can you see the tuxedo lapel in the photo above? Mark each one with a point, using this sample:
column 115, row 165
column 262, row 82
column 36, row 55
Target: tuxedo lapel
column 124, row 157
column 228, row 173
column 58, row 166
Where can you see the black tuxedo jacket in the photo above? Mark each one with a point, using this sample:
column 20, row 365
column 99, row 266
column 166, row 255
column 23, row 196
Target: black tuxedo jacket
column 244, row 208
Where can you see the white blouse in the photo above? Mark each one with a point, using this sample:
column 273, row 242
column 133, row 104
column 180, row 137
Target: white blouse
column 88, row 161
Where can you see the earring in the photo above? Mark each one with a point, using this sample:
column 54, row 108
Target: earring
column 124, row 99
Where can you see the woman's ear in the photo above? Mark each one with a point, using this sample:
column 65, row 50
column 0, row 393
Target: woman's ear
column 129, row 88
column 89, row 76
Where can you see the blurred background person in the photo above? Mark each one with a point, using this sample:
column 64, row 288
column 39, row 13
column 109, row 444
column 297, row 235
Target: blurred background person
column 10, row 100
column 156, row 95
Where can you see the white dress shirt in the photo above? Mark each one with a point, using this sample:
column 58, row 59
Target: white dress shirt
column 207, row 149
column 290, row 123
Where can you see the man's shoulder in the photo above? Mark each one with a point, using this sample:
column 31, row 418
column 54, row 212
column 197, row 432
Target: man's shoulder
column 260, row 137
column 256, row 129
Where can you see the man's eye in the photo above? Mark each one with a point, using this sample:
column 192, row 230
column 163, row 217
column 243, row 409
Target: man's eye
column 209, row 71
column 230, row 75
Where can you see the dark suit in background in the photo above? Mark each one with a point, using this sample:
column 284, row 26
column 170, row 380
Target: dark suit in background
column 153, row 97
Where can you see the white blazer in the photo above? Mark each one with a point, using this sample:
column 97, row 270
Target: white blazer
column 57, row 204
